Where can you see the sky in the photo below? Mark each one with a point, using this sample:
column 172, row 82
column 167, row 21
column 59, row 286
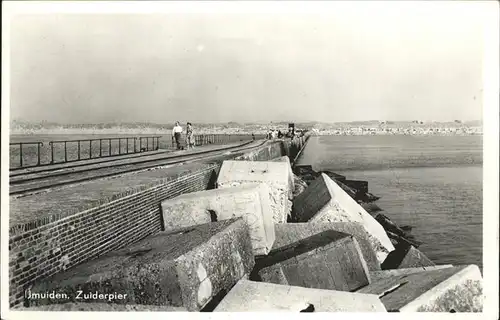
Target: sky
column 344, row 63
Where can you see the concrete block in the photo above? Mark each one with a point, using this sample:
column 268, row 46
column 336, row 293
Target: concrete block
column 379, row 275
column 182, row 268
column 454, row 289
column 289, row 233
column 327, row 260
column 291, row 181
column 299, row 186
column 371, row 208
column 325, row 201
column 306, row 173
column 249, row 201
column 273, row 274
column 247, row 296
column 103, row 307
column 406, row 257
column 274, row 174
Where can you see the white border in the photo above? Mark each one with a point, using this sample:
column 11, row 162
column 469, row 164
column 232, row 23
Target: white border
column 491, row 116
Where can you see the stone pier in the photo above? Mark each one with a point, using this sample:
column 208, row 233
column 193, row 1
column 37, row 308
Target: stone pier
column 234, row 242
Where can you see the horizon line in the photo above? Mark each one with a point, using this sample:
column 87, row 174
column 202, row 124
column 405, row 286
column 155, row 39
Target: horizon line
column 238, row 122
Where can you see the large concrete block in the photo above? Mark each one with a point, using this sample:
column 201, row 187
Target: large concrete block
column 182, row 268
column 248, row 296
column 249, row 201
column 299, row 186
column 103, row 307
column 455, row 289
column 327, row 260
column 379, row 275
column 325, row 201
column 288, row 233
column 274, row 174
column 406, row 257
column 291, row 181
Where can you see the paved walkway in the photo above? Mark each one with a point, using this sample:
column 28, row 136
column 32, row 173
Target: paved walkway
column 76, row 198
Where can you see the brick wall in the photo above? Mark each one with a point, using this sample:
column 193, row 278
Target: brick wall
column 38, row 251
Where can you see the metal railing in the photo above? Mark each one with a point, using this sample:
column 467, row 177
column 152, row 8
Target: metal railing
column 21, row 144
column 206, row 139
column 109, row 147
column 34, row 154
column 61, row 151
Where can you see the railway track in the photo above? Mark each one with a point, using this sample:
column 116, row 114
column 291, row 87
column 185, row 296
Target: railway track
column 16, row 172
column 23, row 184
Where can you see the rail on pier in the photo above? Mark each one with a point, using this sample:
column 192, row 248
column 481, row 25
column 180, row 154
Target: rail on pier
column 40, row 153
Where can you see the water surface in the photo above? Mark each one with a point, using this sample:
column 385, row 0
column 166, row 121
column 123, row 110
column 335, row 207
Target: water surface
column 433, row 183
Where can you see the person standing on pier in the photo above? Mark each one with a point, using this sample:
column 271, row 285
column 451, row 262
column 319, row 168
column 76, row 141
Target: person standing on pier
column 176, row 134
column 189, row 136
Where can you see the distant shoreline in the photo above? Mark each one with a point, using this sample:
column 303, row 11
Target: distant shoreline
column 150, row 131
column 25, row 129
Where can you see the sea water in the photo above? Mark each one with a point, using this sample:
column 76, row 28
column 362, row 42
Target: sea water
column 433, row 183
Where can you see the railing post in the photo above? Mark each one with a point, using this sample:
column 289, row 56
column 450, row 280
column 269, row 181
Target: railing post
column 78, row 149
column 140, row 144
column 109, row 147
column 65, row 153
column 39, row 144
column 100, row 147
column 147, row 143
column 119, row 146
column 135, row 147
column 90, row 149
column 127, row 145
column 21, row 154
column 51, row 144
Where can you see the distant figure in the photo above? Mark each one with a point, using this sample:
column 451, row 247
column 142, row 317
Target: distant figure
column 280, row 134
column 269, row 135
column 253, row 136
column 176, row 134
column 274, row 134
column 189, row 136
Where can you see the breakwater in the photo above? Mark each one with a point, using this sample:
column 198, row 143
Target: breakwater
column 313, row 240
column 47, row 235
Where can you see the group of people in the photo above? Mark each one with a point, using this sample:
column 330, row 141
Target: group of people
column 190, row 140
column 177, row 132
column 273, row 134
